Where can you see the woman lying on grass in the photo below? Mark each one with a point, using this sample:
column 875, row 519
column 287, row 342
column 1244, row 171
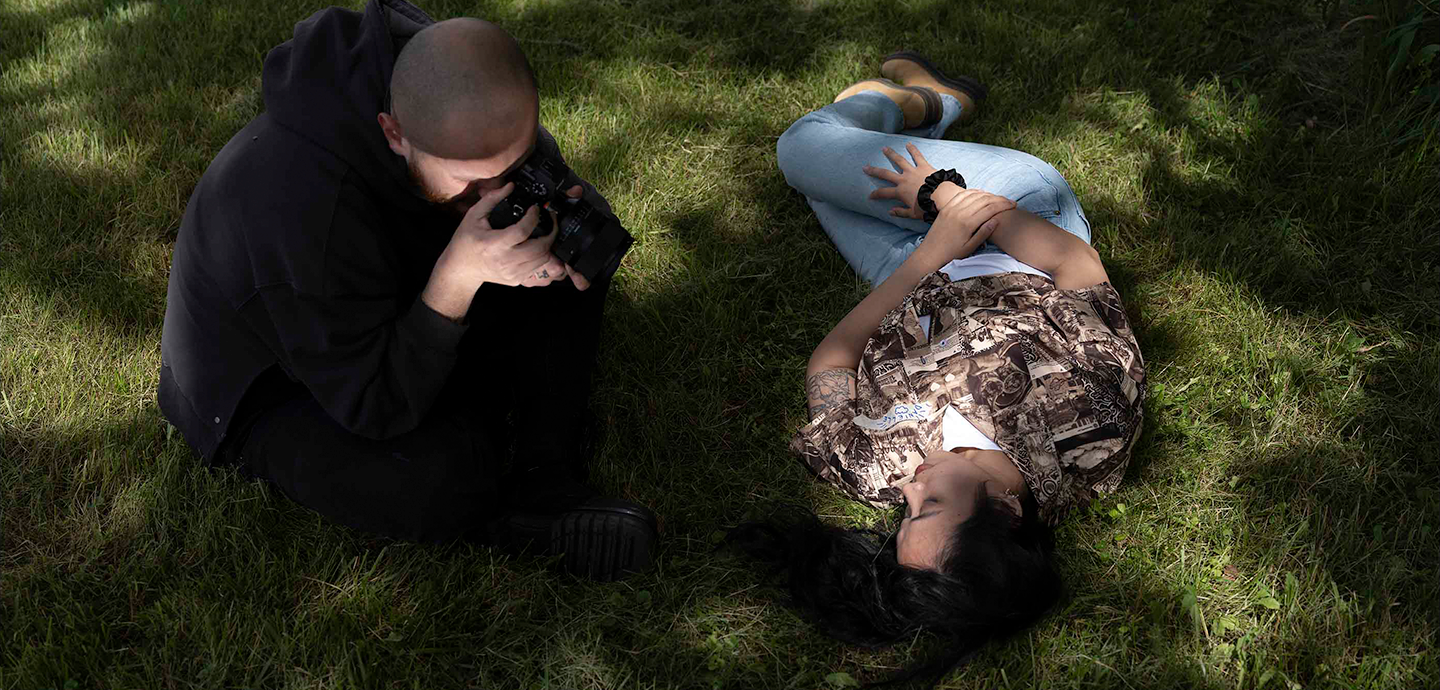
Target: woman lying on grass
column 988, row 387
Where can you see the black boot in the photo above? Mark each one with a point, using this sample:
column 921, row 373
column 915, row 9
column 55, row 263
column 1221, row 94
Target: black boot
column 603, row 539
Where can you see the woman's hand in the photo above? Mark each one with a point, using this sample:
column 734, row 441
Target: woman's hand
column 966, row 221
column 907, row 182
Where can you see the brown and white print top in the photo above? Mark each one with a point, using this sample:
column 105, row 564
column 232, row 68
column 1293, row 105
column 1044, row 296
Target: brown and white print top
column 1053, row 376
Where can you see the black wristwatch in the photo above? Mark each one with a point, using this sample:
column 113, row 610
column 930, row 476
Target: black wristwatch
column 922, row 197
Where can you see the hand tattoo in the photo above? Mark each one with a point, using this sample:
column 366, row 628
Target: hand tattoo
column 829, row 389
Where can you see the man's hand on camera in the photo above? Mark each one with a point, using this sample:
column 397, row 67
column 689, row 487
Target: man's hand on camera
column 479, row 254
column 579, row 280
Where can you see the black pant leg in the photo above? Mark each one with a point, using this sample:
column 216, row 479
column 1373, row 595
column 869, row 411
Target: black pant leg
column 545, row 342
column 435, row 483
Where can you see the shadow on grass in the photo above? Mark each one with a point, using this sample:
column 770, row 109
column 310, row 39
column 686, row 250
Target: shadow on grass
column 199, row 571
column 157, row 91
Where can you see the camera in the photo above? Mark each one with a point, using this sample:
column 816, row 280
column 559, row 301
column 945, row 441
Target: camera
column 590, row 240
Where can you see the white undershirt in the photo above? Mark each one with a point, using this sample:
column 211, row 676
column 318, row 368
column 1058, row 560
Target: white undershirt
column 955, row 430
column 988, row 264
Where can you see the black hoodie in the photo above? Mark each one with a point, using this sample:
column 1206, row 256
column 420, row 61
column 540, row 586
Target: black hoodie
column 303, row 250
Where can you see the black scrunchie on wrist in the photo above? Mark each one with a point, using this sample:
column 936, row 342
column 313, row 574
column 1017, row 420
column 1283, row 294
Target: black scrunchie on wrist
column 922, row 197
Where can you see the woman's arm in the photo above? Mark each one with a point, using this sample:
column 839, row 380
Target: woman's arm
column 1071, row 263
column 962, row 226
column 830, row 377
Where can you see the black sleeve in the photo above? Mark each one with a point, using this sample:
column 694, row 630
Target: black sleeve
column 374, row 355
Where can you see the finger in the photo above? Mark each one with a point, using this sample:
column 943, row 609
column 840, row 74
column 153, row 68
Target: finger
column 960, row 203
column 998, row 202
column 554, row 268
column 970, row 246
column 967, row 200
column 886, row 193
column 989, row 210
column 882, row 173
column 905, row 212
column 579, row 280
column 575, row 192
column 988, row 228
column 919, row 157
column 551, row 267
column 539, row 246
column 528, row 268
column 537, row 280
column 900, row 163
column 979, row 200
column 554, row 222
column 518, row 235
column 997, row 197
column 981, row 234
column 970, row 209
column 542, row 277
column 488, row 201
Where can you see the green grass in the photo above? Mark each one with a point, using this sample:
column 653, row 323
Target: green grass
column 1263, row 194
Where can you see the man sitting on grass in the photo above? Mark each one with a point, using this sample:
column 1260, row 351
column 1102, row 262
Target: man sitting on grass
column 343, row 321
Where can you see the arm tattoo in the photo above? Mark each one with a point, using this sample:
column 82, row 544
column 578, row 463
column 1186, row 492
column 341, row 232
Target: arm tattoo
column 829, row 389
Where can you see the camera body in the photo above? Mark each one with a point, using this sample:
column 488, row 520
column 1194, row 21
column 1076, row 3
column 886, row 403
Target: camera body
column 590, row 240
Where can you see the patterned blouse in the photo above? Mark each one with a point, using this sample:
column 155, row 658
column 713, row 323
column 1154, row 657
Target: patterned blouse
column 1053, row 376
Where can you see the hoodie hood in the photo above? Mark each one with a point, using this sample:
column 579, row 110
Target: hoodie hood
column 331, row 79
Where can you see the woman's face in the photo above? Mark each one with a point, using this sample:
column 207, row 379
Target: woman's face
column 941, row 496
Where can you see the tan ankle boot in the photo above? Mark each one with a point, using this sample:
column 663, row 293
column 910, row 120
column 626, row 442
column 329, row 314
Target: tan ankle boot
column 921, row 105
column 913, row 69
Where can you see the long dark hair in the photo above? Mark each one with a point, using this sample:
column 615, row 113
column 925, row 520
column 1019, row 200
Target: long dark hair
column 996, row 578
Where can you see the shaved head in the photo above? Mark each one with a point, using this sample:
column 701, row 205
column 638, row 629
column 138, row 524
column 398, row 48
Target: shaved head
column 462, row 89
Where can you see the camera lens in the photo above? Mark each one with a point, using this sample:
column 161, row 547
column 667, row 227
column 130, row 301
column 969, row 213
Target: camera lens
column 592, row 243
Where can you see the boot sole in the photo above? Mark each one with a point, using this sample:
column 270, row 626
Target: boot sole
column 605, row 539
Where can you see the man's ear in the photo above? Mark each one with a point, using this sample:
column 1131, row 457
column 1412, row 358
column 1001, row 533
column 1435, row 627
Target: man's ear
column 394, row 135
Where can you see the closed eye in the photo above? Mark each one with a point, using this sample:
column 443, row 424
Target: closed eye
column 924, row 503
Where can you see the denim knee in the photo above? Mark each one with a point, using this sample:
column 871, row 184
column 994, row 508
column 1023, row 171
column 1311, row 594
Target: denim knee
column 1033, row 184
column 786, row 154
column 1043, row 191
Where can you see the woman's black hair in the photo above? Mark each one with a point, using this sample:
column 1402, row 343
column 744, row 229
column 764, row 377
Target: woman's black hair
column 996, row 578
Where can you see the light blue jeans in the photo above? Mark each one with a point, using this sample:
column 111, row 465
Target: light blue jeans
column 823, row 153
